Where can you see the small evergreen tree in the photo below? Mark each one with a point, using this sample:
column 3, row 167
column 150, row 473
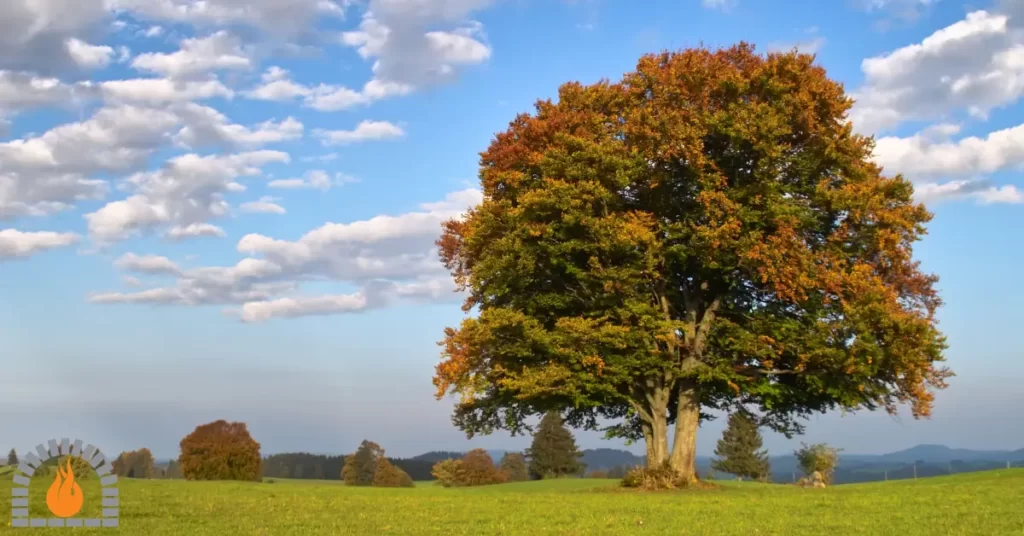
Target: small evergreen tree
column 553, row 452
column 514, row 465
column 12, row 457
column 739, row 451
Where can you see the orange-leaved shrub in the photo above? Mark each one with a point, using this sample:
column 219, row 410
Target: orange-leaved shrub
column 220, row 451
column 476, row 468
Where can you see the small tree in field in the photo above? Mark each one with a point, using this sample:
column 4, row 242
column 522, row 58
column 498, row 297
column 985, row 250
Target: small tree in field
column 739, row 451
column 359, row 468
column 476, row 468
column 220, row 451
column 447, row 472
column 12, row 457
column 134, row 464
column 389, row 476
column 819, row 458
column 514, row 465
column 553, row 452
column 708, row 231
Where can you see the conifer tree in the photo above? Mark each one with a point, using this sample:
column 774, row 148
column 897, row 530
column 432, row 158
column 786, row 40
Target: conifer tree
column 739, row 451
column 12, row 457
column 554, row 453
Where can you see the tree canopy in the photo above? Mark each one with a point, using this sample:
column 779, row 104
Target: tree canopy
column 360, row 467
column 134, row 464
column 707, row 232
column 220, row 451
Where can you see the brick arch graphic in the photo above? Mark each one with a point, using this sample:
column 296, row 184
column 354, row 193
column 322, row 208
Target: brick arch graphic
column 65, row 447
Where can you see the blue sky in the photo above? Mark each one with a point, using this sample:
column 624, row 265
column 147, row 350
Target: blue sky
column 215, row 212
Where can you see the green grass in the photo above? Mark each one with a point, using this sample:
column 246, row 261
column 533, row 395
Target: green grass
column 989, row 503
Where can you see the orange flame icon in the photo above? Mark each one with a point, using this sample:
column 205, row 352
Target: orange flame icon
column 64, row 498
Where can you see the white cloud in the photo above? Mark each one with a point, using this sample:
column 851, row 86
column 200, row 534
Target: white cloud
column 364, row 131
column 929, row 154
column 975, row 64
column 153, row 31
column 265, row 205
column 279, row 17
column 388, row 258
column 113, row 139
column 18, row 244
column 162, row 90
column 981, row 191
column 89, row 56
column 207, row 126
column 395, row 35
column 194, row 230
column 44, row 174
column 186, row 193
column 34, row 33
column 23, row 91
column 147, row 264
column 197, row 56
column 278, row 86
column 315, row 180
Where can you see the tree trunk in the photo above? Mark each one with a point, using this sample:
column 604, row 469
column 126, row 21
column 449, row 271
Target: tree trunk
column 684, row 444
column 656, row 431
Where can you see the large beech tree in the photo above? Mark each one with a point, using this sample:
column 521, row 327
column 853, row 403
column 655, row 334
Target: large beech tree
column 709, row 232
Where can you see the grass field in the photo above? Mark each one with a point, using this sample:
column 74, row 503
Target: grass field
column 989, row 503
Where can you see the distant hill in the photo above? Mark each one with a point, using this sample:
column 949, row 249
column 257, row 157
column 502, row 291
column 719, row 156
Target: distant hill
column 604, row 459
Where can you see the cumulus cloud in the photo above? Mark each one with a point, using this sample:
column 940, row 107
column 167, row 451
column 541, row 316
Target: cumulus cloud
column 34, row 34
column 974, row 64
column 265, row 205
column 388, row 259
column 20, row 91
column 17, row 244
column 278, row 17
column 89, row 56
column 197, row 56
column 931, row 155
column 315, row 180
column 278, row 86
column 47, row 173
column 395, row 35
column 147, row 264
column 186, row 193
column 162, row 90
column 364, row 131
column 207, row 126
column 193, row 230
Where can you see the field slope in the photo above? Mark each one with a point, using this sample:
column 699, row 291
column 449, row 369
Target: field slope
column 987, row 503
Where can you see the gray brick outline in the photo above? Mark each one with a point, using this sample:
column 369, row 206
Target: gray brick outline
column 51, row 449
